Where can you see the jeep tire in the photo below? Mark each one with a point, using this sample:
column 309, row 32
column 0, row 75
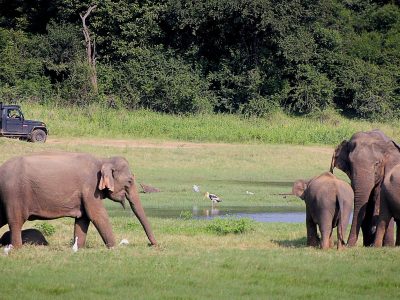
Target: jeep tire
column 38, row 136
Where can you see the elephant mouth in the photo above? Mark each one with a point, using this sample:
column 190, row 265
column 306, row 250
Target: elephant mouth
column 120, row 197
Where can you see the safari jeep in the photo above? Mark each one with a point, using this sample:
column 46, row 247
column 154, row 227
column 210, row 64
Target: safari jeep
column 14, row 125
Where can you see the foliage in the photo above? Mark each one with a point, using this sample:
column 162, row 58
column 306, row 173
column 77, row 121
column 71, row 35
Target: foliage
column 248, row 57
column 224, row 226
column 186, row 215
column 46, row 228
column 326, row 127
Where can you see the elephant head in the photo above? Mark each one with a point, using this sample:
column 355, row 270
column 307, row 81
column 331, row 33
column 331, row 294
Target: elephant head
column 299, row 188
column 119, row 184
column 363, row 158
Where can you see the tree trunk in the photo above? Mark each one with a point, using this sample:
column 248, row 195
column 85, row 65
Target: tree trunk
column 90, row 50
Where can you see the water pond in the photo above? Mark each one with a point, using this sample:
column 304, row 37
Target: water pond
column 259, row 214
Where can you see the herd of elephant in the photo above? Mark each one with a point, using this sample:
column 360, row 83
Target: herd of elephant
column 44, row 186
column 372, row 162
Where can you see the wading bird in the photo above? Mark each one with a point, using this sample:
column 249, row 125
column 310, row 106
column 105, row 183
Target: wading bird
column 124, row 242
column 75, row 246
column 214, row 198
column 7, row 249
column 196, row 188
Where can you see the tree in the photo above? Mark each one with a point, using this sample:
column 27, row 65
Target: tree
column 90, row 49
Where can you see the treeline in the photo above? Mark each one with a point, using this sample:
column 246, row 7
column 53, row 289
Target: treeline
column 250, row 57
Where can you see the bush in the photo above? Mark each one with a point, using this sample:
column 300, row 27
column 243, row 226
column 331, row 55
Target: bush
column 224, row 226
column 311, row 91
column 186, row 215
column 163, row 83
column 46, row 228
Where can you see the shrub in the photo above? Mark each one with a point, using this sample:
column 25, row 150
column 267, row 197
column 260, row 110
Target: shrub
column 224, row 226
column 46, row 228
column 186, row 215
column 312, row 91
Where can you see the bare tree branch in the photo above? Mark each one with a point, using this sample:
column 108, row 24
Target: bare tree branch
column 90, row 48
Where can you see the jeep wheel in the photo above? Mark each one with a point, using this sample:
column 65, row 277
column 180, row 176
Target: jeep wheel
column 38, row 136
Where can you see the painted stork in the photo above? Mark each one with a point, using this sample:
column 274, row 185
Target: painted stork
column 214, row 198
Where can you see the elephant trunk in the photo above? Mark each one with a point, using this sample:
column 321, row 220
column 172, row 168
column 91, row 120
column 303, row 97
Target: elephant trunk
column 361, row 196
column 137, row 208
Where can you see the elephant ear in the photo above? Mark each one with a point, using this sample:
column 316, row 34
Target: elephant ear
column 299, row 187
column 106, row 179
column 340, row 158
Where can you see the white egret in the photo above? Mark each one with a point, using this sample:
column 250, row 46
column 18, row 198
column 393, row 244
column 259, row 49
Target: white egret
column 75, row 246
column 7, row 249
column 124, row 242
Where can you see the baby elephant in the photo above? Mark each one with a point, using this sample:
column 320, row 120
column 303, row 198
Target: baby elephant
column 329, row 202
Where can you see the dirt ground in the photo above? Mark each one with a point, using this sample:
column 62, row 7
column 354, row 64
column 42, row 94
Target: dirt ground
column 124, row 143
column 120, row 143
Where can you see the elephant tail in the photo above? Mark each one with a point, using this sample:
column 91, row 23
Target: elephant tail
column 344, row 211
column 340, row 226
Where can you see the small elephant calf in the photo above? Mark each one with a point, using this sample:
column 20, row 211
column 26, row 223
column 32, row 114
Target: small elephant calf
column 329, row 203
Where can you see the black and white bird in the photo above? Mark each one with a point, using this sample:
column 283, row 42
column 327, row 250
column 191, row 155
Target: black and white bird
column 214, row 198
column 75, row 246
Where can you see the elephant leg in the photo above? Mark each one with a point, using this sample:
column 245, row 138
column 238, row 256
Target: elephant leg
column 397, row 233
column 99, row 217
column 80, row 230
column 388, row 239
column 383, row 223
column 312, row 234
column 326, row 236
column 16, row 236
column 368, row 225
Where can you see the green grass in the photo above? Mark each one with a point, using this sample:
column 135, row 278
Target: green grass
column 328, row 128
column 194, row 260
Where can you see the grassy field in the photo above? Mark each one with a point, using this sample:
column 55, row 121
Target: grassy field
column 267, row 261
column 327, row 128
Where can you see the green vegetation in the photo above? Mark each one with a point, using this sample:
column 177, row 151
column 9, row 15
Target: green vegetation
column 46, row 228
column 234, row 225
column 327, row 128
column 248, row 57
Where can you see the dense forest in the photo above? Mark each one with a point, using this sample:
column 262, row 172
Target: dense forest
column 250, row 57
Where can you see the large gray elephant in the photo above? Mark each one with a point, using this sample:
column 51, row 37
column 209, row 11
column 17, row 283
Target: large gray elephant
column 363, row 158
column 54, row 185
column 329, row 202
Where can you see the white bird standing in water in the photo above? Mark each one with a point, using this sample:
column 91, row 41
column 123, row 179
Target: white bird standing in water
column 7, row 249
column 214, row 198
column 196, row 188
column 75, row 246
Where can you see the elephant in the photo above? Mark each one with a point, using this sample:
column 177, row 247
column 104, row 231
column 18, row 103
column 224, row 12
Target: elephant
column 29, row 236
column 329, row 202
column 50, row 185
column 389, row 205
column 363, row 158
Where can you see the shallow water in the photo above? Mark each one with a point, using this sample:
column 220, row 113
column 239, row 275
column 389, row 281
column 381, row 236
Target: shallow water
column 256, row 183
column 259, row 214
